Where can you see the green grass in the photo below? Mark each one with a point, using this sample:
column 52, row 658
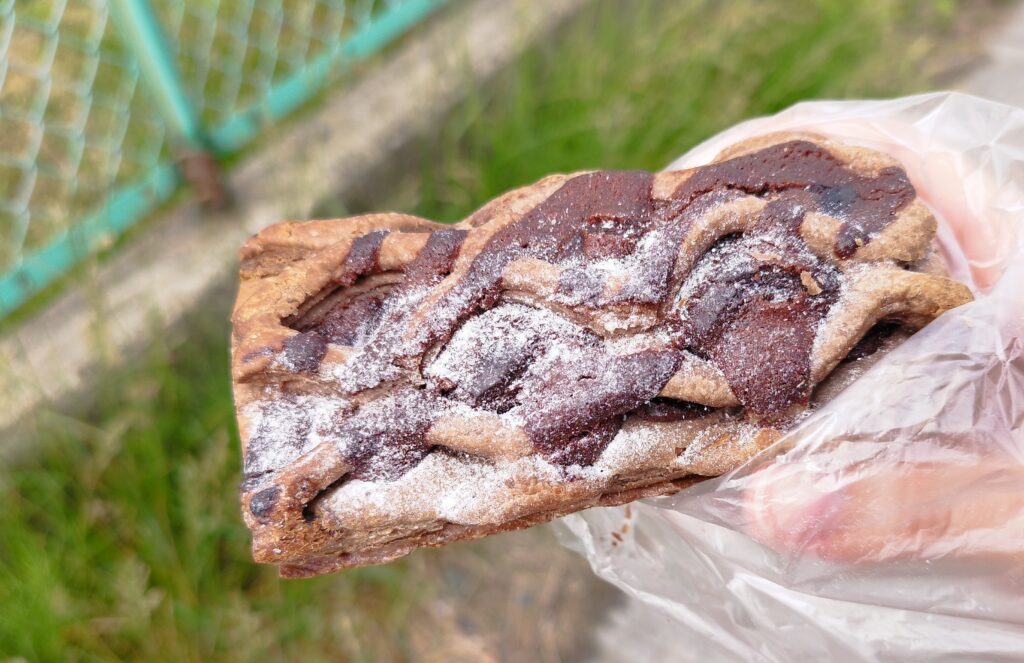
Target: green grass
column 636, row 88
column 121, row 539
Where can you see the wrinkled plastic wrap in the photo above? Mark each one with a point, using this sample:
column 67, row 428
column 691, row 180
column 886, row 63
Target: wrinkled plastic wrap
column 890, row 524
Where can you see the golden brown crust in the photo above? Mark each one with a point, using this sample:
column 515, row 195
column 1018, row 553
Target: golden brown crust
column 308, row 516
column 449, row 532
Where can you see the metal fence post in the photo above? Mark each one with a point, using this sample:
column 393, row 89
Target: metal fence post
column 81, row 204
column 142, row 34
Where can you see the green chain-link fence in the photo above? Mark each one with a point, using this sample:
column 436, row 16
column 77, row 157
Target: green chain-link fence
column 105, row 104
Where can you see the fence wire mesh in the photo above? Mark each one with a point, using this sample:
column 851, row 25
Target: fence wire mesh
column 87, row 143
column 231, row 52
column 73, row 120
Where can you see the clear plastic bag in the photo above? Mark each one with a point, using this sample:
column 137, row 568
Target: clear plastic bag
column 892, row 520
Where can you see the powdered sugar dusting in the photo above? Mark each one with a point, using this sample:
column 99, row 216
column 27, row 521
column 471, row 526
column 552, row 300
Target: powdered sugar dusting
column 633, row 447
column 285, row 428
column 741, row 435
column 748, row 307
column 471, row 491
column 444, row 486
column 621, row 270
column 497, row 342
column 365, row 369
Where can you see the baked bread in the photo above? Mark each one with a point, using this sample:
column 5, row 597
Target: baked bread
column 590, row 339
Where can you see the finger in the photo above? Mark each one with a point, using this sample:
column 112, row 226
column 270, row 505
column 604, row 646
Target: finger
column 900, row 512
column 982, row 240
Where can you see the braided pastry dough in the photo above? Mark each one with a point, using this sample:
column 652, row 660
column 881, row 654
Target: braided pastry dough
column 587, row 340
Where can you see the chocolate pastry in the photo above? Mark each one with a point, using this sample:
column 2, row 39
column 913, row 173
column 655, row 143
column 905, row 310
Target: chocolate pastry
column 587, row 340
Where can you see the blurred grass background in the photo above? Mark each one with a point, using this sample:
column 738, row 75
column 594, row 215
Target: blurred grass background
column 121, row 538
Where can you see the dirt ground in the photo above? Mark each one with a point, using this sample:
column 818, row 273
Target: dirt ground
column 519, row 596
